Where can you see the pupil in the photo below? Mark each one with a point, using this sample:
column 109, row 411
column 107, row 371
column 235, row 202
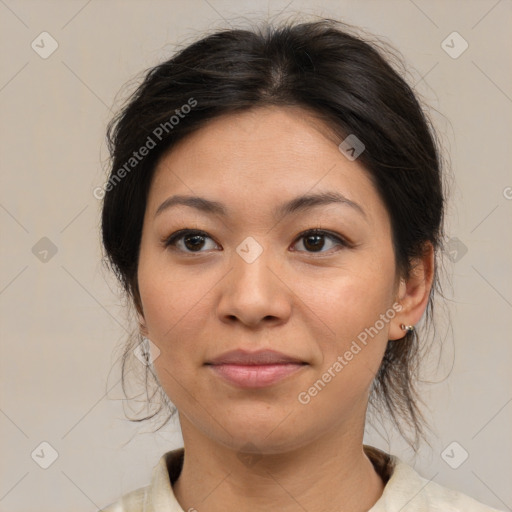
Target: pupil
column 315, row 245
column 197, row 238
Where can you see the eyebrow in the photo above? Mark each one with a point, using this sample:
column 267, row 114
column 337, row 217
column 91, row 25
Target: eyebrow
column 295, row 205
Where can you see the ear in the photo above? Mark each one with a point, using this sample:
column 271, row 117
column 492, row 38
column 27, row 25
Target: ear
column 413, row 293
column 141, row 320
column 137, row 302
column 142, row 325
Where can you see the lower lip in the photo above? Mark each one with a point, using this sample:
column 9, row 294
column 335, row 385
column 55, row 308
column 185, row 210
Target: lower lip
column 255, row 376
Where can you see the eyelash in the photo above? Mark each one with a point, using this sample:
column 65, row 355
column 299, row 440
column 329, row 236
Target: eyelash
column 179, row 235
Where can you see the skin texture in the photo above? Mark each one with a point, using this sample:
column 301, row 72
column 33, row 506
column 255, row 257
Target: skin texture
column 201, row 301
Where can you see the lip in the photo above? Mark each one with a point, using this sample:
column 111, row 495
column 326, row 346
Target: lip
column 255, row 369
column 259, row 357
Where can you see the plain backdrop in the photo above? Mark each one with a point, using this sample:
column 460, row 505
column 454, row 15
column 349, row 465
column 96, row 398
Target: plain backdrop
column 62, row 318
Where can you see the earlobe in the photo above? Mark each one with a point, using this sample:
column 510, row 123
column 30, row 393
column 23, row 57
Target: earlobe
column 142, row 326
column 137, row 302
column 143, row 330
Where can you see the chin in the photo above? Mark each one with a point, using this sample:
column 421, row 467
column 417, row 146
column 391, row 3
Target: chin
column 264, row 431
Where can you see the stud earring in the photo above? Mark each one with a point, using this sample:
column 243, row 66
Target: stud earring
column 408, row 328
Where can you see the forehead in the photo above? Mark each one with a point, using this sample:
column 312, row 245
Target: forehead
column 259, row 158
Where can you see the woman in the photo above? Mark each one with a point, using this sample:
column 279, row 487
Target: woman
column 274, row 211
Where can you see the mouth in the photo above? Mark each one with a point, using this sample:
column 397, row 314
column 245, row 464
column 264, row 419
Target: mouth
column 255, row 369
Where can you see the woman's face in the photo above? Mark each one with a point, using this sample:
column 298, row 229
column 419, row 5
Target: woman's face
column 256, row 280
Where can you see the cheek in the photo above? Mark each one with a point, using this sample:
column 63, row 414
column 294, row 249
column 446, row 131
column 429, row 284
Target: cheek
column 357, row 309
column 167, row 295
column 176, row 308
column 353, row 295
column 352, row 354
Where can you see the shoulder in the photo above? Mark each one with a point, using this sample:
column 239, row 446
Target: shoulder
column 408, row 490
column 444, row 498
column 133, row 501
column 158, row 496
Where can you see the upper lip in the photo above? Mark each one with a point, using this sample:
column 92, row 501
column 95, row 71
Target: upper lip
column 260, row 357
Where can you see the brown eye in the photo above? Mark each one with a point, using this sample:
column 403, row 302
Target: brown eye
column 187, row 240
column 314, row 240
column 193, row 241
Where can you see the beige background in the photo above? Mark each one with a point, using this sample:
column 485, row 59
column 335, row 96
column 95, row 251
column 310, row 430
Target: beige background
column 62, row 320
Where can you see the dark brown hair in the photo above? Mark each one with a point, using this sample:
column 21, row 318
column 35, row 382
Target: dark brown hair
column 347, row 82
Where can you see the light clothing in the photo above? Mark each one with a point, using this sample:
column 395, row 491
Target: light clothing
column 405, row 490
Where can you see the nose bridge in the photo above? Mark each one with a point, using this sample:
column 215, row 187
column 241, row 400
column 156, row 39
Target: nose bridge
column 252, row 291
column 251, row 263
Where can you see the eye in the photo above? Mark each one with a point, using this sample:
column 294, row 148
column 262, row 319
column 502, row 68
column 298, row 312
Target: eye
column 190, row 239
column 314, row 240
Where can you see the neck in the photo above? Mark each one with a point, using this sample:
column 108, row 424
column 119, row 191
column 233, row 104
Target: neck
column 327, row 475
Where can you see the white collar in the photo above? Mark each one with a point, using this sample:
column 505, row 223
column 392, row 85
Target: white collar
column 405, row 491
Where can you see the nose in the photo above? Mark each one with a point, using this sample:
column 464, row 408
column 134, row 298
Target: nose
column 255, row 293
